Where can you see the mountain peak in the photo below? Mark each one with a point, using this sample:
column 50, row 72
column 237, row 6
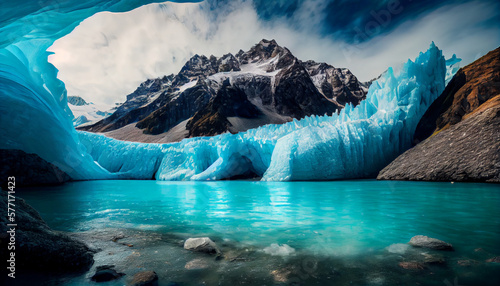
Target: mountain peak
column 77, row 101
column 265, row 50
column 266, row 43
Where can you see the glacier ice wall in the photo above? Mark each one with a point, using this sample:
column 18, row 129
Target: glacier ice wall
column 355, row 143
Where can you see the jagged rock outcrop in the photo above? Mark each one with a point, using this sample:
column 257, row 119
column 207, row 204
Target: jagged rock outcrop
column 465, row 126
column 211, row 95
column 28, row 169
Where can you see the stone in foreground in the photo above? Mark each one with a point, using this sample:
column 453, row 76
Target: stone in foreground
column 429, row 242
column 106, row 273
column 201, row 244
column 145, row 278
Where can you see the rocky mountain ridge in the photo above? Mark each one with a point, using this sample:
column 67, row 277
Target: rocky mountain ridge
column 211, row 95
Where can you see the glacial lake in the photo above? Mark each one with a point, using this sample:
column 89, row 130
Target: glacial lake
column 281, row 233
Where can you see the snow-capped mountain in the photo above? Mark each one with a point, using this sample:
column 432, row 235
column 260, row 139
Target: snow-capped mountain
column 86, row 113
column 211, row 95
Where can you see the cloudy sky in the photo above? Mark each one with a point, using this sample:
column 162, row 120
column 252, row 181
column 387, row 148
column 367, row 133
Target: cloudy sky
column 109, row 54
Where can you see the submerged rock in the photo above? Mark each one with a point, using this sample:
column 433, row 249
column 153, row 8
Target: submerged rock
column 279, row 250
column 196, row 264
column 201, row 244
column 433, row 259
column 412, row 265
column 145, row 278
column 106, row 273
column 398, row 248
column 494, row 259
column 467, row 262
column 429, row 242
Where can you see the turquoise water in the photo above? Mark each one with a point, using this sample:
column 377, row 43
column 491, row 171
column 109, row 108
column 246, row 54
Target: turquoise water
column 339, row 219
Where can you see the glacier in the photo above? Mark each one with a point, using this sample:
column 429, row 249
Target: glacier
column 356, row 143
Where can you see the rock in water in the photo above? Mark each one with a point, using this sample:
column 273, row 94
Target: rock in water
column 412, row 265
column 494, row 259
column 145, row 278
column 201, row 244
column 433, row 259
column 106, row 273
column 196, row 264
column 429, row 242
column 39, row 248
column 465, row 126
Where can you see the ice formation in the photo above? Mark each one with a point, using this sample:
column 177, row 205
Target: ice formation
column 34, row 115
column 355, row 143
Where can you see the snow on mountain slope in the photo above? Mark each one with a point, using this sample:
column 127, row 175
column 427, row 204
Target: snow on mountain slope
column 87, row 113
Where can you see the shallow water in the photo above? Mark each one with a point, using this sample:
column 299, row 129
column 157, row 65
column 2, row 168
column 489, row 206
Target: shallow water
column 349, row 224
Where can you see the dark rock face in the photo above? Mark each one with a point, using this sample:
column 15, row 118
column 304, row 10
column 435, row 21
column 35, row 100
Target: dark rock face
column 228, row 102
column 429, row 242
column 38, row 248
column 266, row 84
column 465, row 123
column 29, row 169
column 145, row 278
column 76, row 100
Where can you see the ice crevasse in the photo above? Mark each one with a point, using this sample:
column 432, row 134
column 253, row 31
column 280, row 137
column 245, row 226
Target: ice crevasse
column 355, row 143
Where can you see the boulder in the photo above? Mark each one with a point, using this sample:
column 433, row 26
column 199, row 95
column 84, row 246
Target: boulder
column 429, row 242
column 201, row 244
column 145, row 278
column 106, row 273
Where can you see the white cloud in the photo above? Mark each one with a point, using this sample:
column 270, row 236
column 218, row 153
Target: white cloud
column 108, row 55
